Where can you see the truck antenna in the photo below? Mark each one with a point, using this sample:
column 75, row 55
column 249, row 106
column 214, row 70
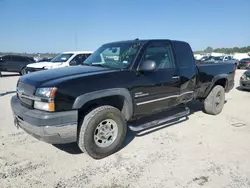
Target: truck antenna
column 75, row 41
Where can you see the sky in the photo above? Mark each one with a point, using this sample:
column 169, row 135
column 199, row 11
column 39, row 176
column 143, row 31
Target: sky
column 64, row 25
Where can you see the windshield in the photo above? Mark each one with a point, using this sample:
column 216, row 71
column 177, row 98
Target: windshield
column 118, row 55
column 61, row 58
column 217, row 58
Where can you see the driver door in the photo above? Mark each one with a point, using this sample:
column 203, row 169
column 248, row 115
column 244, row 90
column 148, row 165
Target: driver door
column 159, row 89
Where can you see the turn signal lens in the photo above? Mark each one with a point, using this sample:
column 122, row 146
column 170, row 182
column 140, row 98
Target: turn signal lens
column 53, row 92
column 51, row 107
column 45, row 106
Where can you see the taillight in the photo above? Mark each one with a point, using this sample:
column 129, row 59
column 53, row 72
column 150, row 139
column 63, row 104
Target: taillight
column 248, row 62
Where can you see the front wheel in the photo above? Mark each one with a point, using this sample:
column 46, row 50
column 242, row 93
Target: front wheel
column 102, row 132
column 22, row 71
column 214, row 102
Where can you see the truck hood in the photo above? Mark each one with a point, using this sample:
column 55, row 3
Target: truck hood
column 43, row 64
column 60, row 74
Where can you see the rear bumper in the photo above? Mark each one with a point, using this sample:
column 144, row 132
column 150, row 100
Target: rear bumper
column 54, row 128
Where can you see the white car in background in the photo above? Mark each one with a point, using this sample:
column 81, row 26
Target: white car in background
column 64, row 59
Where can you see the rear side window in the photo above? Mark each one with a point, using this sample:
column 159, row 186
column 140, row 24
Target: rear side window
column 6, row 58
column 19, row 58
column 162, row 54
column 185, row 54
column 29, row 59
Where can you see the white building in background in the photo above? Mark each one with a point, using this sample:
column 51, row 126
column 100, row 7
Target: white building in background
column 199, row 56
column 215, row 54
column 240, row 56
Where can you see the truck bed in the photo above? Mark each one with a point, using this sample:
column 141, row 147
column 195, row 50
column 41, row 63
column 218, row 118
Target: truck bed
column 208, row 74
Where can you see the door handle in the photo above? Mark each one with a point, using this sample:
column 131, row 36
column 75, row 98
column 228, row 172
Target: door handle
column 176, row 77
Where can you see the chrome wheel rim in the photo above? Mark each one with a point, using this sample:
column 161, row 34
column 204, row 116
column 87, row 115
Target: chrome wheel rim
column 218, row 99
column 23, row 72
column 105, row 133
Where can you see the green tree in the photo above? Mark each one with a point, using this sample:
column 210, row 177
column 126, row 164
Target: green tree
column 208, row 50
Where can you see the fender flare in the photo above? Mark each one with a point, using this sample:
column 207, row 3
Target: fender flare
column 214, row 80
column 127, row 110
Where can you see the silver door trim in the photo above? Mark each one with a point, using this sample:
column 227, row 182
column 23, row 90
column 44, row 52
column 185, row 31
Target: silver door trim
column 163, row 98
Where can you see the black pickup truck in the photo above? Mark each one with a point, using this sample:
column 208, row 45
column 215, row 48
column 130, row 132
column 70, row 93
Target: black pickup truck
column 91, row 104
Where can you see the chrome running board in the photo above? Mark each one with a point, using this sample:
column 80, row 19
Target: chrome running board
column 154, row 123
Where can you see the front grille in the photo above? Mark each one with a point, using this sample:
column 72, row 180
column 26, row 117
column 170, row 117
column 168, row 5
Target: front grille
column 26, row 102
column 27, row 90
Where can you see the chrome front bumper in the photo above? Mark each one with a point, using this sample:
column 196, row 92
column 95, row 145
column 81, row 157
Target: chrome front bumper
column 54, row 128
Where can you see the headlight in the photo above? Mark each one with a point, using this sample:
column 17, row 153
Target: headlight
column 243, row 77
column 44, row 92
column 46, row 99
column 47, row 67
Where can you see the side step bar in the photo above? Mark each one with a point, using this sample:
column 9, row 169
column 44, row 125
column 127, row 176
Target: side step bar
column 154, row 123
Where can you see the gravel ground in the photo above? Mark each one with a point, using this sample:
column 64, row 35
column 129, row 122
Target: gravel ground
column 203, row 151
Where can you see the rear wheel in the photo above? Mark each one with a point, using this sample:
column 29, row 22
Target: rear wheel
column 214, row 102
column 102, row 132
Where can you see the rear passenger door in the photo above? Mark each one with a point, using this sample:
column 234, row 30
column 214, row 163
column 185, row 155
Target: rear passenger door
column 17, row 63
column 159, row 89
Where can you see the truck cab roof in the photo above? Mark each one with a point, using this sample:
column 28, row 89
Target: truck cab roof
column 78, row 52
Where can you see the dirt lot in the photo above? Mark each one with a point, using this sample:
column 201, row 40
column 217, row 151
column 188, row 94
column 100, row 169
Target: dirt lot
column 203, row 151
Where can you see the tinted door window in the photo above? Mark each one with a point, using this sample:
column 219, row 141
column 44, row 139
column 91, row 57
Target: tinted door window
column 162, row 55
column 185, row 55
column 6, row 58
column 161, row 88
column 19, row 59
column 79, row 59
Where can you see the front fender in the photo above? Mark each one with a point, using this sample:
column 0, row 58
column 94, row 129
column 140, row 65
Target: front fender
column 127, row 106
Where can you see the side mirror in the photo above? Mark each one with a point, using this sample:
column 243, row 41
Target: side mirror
column 147, row 66
column 73, row 63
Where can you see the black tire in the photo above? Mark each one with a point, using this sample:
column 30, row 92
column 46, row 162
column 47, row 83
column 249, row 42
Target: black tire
column 211, row 106
column 86, row 132
column 22, row 71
